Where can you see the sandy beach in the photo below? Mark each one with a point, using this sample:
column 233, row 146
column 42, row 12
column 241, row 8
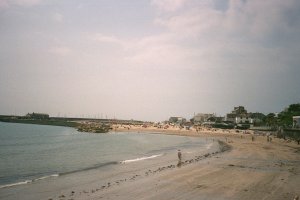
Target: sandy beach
column 249, row 170
column 241, row 169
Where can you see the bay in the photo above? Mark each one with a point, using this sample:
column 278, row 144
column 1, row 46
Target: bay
column 34, row 152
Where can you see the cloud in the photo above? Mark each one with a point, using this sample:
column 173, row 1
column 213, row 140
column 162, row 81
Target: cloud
column 160, row 51
column 260, row 18
column 4, row 4
column 168, row 5
column 156, row 50
column 243, row 29
column 242, row 17
column 205, row 37
column 60, row 50
column 58, row 17
column 106, row 39
column 26, row 3
column 195, row 52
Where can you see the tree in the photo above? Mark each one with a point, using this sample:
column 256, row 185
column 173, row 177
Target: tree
column 270, row 120
column 294, row 108
column 285, row 118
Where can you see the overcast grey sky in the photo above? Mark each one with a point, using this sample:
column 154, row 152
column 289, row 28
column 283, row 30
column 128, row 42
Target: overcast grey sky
column 148, row 59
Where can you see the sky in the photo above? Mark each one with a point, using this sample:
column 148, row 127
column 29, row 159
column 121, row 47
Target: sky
column 148, row 59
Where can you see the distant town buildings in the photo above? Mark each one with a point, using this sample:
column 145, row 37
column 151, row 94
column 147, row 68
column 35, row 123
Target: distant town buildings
column 37, row 116
column 202, row 117
column 177, row 120
column 238, row 116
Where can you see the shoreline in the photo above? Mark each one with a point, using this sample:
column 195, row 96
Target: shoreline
column 145, row 161
column 249, row 170
column 222, row 146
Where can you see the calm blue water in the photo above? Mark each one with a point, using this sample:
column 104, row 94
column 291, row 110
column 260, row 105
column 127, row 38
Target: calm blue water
column 29, row 152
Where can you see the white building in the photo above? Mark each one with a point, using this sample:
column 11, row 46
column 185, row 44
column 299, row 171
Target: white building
column 177, row 120
column 296, row 121
column 242, row 119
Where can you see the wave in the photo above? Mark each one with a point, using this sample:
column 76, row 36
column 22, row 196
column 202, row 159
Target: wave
column 15, row 184
column 140, row 159
column 89, row 168
column 27, row 181
column 44, row 177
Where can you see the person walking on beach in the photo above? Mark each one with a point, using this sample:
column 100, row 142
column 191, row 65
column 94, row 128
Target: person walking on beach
column 179, row 155
column 179, row 158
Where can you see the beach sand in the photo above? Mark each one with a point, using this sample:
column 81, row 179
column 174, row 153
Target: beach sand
column 246, row 170
column 249, row 170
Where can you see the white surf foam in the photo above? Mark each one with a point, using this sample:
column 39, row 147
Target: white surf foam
column 44, row 177
column 27, row 181
column 140, row 159
column 15, row 184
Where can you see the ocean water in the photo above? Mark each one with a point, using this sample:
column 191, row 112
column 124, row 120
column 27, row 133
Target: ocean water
column 29, row 153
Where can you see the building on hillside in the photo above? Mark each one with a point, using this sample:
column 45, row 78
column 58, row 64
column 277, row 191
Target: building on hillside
column 177, row 120
column 239, row 110
column 202, row 117
column 296, row 121
column 37, row 116
column 237, row 114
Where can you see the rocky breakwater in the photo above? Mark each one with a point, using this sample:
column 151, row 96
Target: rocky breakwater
column 94, row 128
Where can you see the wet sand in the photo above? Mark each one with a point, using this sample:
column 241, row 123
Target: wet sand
column 240, row 169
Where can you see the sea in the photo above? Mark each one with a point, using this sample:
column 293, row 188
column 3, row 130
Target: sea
column 32, row 153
